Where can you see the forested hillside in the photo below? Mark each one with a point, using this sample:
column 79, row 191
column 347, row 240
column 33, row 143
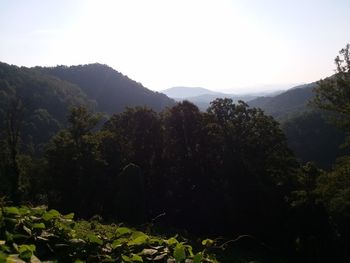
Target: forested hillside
column 109, row 88
column 36, row 104
column 311, row 134
column 42, row 97
column 286, row 104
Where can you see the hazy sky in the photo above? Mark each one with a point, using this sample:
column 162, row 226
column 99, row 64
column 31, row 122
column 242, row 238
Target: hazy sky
column 217, row 44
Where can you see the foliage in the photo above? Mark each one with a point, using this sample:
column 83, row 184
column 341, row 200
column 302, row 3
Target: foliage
column 333, row 189
column 112, row 91
column 33, row 234
column 333, row 93
column 313, row 137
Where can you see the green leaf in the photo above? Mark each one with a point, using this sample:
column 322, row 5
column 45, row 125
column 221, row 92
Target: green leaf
column 189, row 249
column 179, row 253
column 39, row 226
column 119, row 242
column 26, row 251
column 126, row 258
column 94, row 239
column 138, row 241
column 172, row 241
column 136, row 234
column 207, row 242
column 69, row 216
column 123, row 231
column 3, row 257
column 11, row 210
column 47, row 216
column 136, row 258
column 198, row 258
column 9, row 236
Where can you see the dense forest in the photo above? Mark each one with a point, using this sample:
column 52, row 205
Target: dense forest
column 227, row 173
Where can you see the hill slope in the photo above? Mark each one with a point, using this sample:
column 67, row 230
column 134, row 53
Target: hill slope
column 112, row 90
column 42, row 101
column 287, row 103
column 310, row 133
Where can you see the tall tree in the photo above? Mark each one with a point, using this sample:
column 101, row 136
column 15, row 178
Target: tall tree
column 13, row 121
column 258, row 168
column 333, row 93
column 75, row 165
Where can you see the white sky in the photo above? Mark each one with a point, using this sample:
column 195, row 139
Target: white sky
column 216, row 44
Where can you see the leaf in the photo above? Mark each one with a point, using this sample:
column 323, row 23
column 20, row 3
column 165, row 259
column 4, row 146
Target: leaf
column 11, row 210
column 2, row 242
column 9, row 236
column 172, row 241
column 179, row 253
column 119, row 242
column 69, row 216
column 136, row 234
column 94, row 239
column 138, row 241
column 3, row 257
column 126, row 258
column 39, row 226
column 47, row 216
column 197, row 258
column 189, row 249
column 26, row 251
column 123, row 231
column 207, row 242
column 136, row 258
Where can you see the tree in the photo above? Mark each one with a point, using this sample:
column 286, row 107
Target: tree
column 333, row 188
column 76, row 166
column 184, row 165
column 333, row 93
column 13, row 122
column 257, row 167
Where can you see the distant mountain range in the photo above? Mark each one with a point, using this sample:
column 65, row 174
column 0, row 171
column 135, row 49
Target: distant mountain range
column 288, row 103
column 202, row 97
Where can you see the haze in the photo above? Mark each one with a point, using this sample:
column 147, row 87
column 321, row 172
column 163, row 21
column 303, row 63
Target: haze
column 220, row 45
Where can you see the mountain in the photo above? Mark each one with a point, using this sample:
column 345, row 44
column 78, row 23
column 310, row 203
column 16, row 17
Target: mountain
column 310, row 132
column 42, row 96
column 111, row 90
column 288, row 103
column 41, row 102
column 187, row 92
column 201, row 96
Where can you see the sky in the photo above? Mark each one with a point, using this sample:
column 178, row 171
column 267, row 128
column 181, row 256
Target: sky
column 224, row 45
